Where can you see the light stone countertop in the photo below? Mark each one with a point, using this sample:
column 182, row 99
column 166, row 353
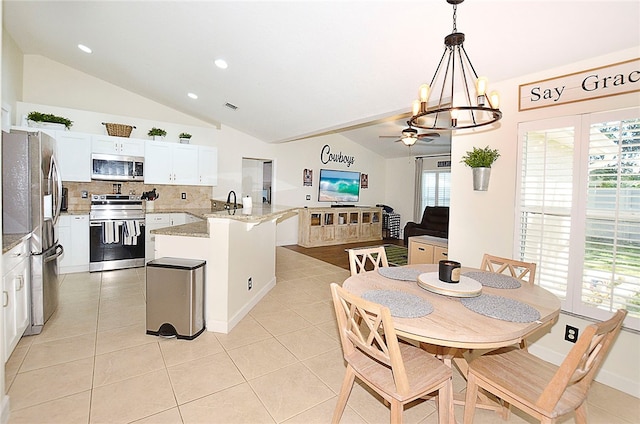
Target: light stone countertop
column 255, row 215
column 9, row 241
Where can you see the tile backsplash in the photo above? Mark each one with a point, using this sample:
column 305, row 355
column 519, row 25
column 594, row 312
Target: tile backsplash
column 170, row 196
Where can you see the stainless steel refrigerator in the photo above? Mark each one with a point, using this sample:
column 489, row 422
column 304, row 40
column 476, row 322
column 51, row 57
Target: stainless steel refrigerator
column 31, row 202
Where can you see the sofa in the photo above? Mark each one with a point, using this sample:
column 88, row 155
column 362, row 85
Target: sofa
column 435, row 223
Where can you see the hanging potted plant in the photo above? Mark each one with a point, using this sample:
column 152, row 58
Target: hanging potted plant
column 156, row 133
column 184, row 138
column 480, row 161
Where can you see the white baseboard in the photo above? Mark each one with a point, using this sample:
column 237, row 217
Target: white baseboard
column 225, row 327
column 619, row 382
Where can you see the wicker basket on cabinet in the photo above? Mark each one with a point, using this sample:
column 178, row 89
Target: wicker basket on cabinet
column 118, row 130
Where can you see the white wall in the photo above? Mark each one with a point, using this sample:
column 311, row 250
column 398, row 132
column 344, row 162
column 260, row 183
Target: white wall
column 55, row 88
column 11, row 70
column 484, row 221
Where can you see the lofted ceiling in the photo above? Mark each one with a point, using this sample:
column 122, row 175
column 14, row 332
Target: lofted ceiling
column 302, row 68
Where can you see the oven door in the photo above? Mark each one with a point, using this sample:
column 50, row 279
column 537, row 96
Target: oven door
column 115, row 251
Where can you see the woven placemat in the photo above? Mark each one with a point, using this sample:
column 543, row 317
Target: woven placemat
column 399, row 273
column 401, row 304
column 501, row 308
column 495, row 280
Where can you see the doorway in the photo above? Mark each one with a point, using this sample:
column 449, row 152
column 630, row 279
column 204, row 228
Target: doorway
column 257, row 180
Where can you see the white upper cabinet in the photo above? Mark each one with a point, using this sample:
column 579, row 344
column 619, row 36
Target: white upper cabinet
column 185, row 164
column 117, row 145
column 74, row 155
column 207, row 165
column 171, row 163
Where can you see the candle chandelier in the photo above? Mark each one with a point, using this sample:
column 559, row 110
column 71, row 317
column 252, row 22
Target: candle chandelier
column 457, row 107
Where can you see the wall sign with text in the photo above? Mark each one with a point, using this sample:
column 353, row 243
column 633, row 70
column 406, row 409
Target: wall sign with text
column 605, row 81
column 326, row 156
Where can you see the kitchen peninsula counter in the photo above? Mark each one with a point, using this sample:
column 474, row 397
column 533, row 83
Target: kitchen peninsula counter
column 238, row 246
column 252, row 216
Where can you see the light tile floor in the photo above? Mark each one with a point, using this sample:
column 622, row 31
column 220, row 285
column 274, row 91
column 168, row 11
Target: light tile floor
column 93, row 363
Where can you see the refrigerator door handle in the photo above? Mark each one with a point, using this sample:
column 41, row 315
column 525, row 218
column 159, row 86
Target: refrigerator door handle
column 59, row 251
column 57, row 194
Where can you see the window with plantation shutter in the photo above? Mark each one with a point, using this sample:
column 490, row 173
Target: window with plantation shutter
column 436, row 186
column 578, row 210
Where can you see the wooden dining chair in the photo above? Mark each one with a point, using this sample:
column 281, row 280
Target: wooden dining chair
column 400, row 373
column 523, row 271
column 359, row 258
column 540, row 389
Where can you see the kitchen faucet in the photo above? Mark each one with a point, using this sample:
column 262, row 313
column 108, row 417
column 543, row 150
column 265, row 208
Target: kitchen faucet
column 235, row 204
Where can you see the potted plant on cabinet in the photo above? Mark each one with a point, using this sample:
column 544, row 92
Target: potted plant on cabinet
column 157, row 133
column 480, row 160
column 39, row 118
column 184, row 138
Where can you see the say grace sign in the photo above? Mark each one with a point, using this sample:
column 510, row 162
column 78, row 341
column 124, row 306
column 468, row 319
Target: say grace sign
column 610, row 80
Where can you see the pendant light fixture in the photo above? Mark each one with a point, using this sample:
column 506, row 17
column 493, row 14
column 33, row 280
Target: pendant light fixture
column 457, row 107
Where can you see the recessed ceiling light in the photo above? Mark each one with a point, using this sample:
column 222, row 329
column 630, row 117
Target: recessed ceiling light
column 84, row 48
column 221, row 63
column 193, row 96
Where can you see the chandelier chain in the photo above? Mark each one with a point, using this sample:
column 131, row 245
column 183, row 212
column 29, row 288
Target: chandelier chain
column 455, row 15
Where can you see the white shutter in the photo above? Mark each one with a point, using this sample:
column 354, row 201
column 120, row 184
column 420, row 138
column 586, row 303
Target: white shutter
column 578, row 210
column 545, row 201
column 611, row 272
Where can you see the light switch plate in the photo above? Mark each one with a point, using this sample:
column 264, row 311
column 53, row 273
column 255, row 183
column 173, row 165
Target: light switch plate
column 184, row 196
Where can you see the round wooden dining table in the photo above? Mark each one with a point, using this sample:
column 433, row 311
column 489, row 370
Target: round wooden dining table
column 451, row 324
column 453, row 329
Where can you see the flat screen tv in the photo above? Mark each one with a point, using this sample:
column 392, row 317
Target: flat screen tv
column 339, row 186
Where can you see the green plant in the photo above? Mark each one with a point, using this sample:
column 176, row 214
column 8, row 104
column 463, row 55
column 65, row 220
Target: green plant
column 47, row 117
column 480, row 158
column 184, row 135
column 156, row 132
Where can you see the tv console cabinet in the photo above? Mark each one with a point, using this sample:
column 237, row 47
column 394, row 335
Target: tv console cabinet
column 338, row 225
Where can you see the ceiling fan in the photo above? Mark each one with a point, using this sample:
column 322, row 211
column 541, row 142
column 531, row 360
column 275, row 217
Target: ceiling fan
column 410, row 136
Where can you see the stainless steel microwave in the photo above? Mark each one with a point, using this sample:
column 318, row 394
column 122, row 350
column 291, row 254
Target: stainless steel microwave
column 117, row 168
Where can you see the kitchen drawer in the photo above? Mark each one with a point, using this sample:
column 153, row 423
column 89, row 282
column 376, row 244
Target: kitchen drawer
column 158, row 218
column 14, row 256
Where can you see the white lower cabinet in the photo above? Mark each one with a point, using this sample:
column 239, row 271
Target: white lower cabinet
column 15, row 296
column 73, row 235
column 154, row 221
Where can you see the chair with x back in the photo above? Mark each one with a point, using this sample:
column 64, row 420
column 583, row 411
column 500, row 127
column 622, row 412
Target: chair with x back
column 399, row 372
column 360, row 259
column 542, row 390
column 523, row 271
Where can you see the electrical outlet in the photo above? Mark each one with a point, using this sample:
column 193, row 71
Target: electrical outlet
column 184, row 196
column 571, row 334
column 249, row 283
column 308, row 197
column 85, row 194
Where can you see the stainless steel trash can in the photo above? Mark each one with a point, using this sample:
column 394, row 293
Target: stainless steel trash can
column 175, row 297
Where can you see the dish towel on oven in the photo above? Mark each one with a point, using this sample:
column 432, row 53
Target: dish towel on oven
column 131, row 233
column 110, row 233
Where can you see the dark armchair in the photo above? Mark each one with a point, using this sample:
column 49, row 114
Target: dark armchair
column 435, row 222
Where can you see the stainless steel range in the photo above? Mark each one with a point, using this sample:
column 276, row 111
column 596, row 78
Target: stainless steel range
column 117, row 229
